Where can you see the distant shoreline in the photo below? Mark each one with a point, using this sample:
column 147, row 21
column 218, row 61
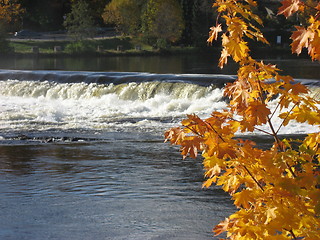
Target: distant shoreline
column 109, row 46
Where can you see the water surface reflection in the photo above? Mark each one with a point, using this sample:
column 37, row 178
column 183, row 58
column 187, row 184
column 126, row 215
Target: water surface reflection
column 125, row 189
column 205, row 63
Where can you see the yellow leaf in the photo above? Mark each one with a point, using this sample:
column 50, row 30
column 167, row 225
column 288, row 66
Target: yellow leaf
column 209, row 182
column 243, row 199
column 223, row 58
column 239, row 93
column 270, row 214
column 237, row 49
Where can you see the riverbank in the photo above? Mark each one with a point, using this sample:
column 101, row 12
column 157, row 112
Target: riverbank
column 110, row 46
column 96, row 47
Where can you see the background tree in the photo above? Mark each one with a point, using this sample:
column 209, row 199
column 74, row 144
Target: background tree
column 10, row 12
column 163, row 19
column 198, row 19
column 79, row 22
column 97, row 9
column 125, row 15
column 44, row 15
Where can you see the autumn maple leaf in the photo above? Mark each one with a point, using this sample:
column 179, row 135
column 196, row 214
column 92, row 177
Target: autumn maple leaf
column 289, row 7
column 214, row 33
column 237, row 49
column 314, row 47
column 239, row 92
column 300, row 39
column 257, row 113
column 243, row 198
column 191, row 146
column 223, row 226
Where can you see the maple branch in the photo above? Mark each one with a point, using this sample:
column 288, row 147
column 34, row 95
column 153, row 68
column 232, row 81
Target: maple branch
column 281, row 125
column 313, row 156
column 216, row 132
column 217, row 19
column 256, row 128
column 306, row 4
column 261, row 130
column 292, row 233
column 254, row 179
column 274, row 112
column 275, row 133
column 194, row 131
column 263, row 100
column 290, row 169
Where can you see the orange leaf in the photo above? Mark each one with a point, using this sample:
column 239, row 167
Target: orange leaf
column 301, row 39
column 214, row 33
column 296, row 88
column 175, row 135
column 224, row 58
column 237, row 49
column 222, row 226
column 257, row 113
column 238, row 92
column 289, row 7
column 191, row 146
column 314, row 47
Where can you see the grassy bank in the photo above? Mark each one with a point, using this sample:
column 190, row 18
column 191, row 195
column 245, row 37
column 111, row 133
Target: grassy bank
column 107, row 46
column 116, row 46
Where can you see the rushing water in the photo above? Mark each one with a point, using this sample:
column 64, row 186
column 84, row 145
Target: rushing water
column 82, row 153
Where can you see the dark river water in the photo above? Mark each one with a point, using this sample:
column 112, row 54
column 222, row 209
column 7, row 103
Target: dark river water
column 82, row 153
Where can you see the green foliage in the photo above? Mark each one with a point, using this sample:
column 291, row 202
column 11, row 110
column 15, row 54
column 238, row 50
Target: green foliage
column 5, row 45
column 80, row 47
column 198, row 17
column 79, row 22
column 125, row 14
column 162, row 43
column 163, row 20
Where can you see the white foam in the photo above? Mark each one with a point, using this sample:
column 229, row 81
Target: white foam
column 29, row 105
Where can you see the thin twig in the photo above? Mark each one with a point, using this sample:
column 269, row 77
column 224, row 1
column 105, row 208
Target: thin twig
column 254, row 179
column 281, row 125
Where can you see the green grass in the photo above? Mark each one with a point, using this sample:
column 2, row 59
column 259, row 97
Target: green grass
column 44, row 46
column 107, row 46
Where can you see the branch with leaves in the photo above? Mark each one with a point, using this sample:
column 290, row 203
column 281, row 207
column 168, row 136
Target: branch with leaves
column 10, row 10
column 276, row 190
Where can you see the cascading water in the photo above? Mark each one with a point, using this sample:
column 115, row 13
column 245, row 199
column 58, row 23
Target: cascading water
column 42, row 100
column 138, row 100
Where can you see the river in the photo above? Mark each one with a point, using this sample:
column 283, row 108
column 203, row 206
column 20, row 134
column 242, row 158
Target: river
column 82, row 153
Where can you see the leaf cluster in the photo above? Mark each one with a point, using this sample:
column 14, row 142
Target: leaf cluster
column 153, row 19
column 79, row 22
column 276, row 190
column 9, row 10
